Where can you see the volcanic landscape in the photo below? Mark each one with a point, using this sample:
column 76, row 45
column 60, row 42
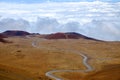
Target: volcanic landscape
column 57, row 56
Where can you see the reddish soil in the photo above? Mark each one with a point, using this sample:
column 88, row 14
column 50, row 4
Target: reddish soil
column 15, row 33
column 68, row 35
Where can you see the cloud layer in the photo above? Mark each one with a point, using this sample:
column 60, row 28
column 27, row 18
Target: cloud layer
column 96, row 19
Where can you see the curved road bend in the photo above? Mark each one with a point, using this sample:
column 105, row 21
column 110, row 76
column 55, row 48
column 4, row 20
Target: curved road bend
column 50, row 73
column 85, row 62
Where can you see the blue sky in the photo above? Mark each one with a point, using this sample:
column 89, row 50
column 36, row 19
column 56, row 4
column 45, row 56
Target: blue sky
column 38, row 1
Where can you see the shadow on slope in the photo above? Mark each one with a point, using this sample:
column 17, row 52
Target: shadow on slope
column 109, row 72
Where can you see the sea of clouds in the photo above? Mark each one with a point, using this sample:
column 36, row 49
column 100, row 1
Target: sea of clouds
column 96, row 19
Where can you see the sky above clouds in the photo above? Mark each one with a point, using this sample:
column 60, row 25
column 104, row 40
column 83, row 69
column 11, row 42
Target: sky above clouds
column 95, row 18
column 39, row 1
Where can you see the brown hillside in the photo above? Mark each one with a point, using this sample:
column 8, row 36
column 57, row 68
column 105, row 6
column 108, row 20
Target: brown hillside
column 1, row 38
column 15, row 33
column 56, row 36
column 68, row 35
column 109, row 72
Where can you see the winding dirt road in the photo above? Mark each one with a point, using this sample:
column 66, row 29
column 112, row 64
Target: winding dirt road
column 50, row 73
column 85, row 62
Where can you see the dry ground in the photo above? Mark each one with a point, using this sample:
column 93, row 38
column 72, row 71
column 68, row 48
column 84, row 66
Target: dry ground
column 20, row 61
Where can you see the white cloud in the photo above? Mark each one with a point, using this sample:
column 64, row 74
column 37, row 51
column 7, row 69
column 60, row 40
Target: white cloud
column 96, row 19
column 12, row 24
column 103, row 30
column 45, row 25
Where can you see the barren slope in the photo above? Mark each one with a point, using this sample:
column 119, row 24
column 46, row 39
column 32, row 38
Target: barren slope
column 28, row 61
